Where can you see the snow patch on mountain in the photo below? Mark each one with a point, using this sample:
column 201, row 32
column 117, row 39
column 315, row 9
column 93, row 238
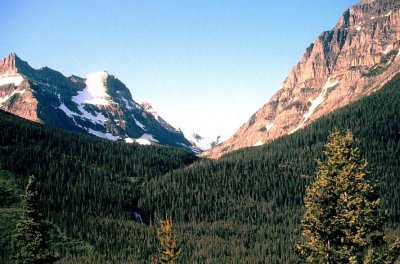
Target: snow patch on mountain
column 11, row 78
column 388, row 49
column 258, row 143
column 148, row 137
column 139, row 124
column 5, row 98
column 98, row 118
column 145, row 139
column 269, row 126
column 107, row 135
column 68, row 112
column 330, row 83
column 201, row 142
column 127, row 104
column 95, row 91
column 129, row 140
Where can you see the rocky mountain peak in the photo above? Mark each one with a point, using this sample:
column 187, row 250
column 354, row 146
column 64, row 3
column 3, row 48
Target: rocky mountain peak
column 10, row 71
column 352, row 60
column 99, row 104
column 147, row 106
column 9, row 64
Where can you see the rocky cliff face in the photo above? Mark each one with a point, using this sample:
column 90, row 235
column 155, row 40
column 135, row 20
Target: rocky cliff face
column 100, row 105
column 352, row 60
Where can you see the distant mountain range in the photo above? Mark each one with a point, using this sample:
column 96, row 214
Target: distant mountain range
column 99, row 104
column 354, row 59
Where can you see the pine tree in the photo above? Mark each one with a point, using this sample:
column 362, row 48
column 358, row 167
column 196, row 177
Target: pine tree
column 342, row 223
column 170, row 251
column 31, row 237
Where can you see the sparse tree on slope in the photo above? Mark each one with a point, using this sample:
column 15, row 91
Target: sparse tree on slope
column 31, row 237
column 170, row 251
column 342, row 223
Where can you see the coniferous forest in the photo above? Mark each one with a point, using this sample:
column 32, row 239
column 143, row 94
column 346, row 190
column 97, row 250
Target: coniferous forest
column 104, row 200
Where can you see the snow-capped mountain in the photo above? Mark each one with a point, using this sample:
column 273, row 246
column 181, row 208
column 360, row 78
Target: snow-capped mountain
column 99, row 104
column 201, row 142
column 354, row 59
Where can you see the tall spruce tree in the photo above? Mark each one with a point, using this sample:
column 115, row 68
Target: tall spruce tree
column 32, row 233
column 342, row 223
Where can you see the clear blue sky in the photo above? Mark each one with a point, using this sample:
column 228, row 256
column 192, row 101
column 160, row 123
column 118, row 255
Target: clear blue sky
column 205, row 65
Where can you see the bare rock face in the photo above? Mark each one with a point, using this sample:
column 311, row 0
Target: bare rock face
column 352, row 60
column 15, row 92
column 21, row 102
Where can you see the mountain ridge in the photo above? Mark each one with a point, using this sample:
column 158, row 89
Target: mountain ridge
column 350, row 61
column 99, row 104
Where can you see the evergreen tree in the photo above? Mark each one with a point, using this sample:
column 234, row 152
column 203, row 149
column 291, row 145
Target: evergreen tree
column 342, row 223
column 170, row 251
column 31, row 237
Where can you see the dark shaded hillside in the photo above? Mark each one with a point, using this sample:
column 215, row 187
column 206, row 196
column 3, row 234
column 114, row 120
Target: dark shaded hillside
column 252, row 199
column 84, row 180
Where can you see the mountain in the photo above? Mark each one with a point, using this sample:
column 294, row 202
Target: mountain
column 201, row 142
column 247, row 206
column 243, row 208
column 350, row 61
column 99, row 104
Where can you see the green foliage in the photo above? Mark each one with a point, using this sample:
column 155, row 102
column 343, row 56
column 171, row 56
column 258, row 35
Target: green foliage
column 32, row 232
column 251, row 201
column 8, row 190
column 89, row 186
column 342, row 219
column 8, row 220
column 243, row 208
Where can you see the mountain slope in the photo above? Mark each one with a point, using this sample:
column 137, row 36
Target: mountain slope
column 99, row 104
column 243, row 208
column 247, row 206
column 350, row 61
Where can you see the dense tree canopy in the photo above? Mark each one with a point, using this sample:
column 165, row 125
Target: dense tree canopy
column 244, row 208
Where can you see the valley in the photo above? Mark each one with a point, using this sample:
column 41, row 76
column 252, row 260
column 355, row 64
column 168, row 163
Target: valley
column 245, row 207
column 101, row 177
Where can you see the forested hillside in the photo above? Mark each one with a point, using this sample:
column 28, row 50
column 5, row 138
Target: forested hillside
column 243, row 208
column 84, row 181
column 247, row 206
